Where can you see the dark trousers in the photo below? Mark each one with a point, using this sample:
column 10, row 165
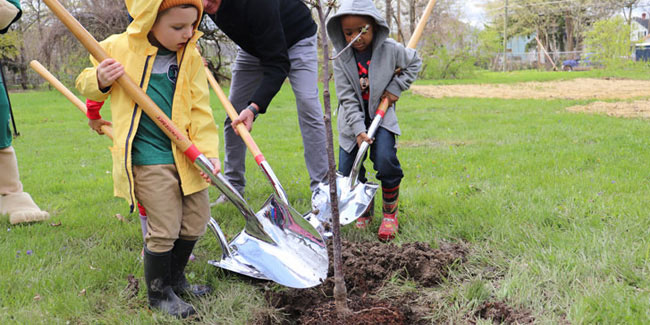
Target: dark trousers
column 383, row 154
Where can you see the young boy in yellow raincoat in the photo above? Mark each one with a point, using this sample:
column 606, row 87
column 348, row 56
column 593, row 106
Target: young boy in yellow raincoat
column 158, row 51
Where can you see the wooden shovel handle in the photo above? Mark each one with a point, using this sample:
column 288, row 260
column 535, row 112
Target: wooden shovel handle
column 413, row 42
column 38, row 67
column 129, row 86
column 420, row 26
column 232, row 113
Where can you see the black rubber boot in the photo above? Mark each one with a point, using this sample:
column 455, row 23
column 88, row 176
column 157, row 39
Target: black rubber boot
column 157, row 274
column 180, row 255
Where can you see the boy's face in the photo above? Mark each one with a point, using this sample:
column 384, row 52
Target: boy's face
column 352, row 25
column 175, row 27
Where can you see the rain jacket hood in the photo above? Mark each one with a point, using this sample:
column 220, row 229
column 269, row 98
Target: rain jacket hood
column 144, row 15
column 387, row 56
column 191, row 112
column 359, row 8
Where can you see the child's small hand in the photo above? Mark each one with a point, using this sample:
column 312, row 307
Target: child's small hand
column 97, row 125
column 107, row 72
column 363, row 136
column 391, row 98
column 217, row 168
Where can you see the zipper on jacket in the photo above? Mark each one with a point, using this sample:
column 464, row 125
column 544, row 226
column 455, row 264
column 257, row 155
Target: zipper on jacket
column 128, row 136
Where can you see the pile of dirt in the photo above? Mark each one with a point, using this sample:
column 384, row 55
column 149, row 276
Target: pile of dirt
column 634, row 109
column 366, row 311
column 367, row 267
column 582, row 88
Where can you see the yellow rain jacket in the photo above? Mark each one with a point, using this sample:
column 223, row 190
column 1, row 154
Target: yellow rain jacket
column 191, row 111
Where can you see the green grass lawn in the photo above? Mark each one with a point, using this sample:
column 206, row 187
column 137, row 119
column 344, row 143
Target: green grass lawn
column 636, row 71
column 552, row 205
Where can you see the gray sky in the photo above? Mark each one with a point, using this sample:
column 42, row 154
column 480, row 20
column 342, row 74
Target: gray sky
column 473, row 13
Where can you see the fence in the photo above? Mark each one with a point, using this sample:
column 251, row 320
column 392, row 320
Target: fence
column 536, row 60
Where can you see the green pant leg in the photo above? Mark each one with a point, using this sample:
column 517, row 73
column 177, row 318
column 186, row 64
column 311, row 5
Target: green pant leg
column 5, row 132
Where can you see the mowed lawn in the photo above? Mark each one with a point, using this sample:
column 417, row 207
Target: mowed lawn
column 553, row 206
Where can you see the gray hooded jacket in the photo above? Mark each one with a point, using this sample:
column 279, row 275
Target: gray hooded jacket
column 387, row 55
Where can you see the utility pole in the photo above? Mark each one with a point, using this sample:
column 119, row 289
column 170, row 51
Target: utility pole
column 505, row 35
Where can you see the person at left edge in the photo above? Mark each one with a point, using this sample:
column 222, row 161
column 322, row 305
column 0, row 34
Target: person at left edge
column 13, row 201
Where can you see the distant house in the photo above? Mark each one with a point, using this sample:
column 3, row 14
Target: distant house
column 519, row 50
column 517, row 46
column 640, row 37
column 639, row 28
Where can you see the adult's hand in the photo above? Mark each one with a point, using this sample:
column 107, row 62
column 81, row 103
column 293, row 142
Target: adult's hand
column 247, row 117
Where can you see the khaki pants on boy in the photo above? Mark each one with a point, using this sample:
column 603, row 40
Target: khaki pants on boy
column 170, row 214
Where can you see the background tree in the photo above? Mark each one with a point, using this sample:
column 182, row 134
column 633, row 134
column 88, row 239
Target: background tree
column 559, row 25
column 609, row 41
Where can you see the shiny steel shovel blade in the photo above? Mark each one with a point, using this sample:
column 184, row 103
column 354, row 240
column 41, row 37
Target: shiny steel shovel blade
column 353, row 201
column 277, row 243
column 295, row 257
column 230, row 260
column 298, row 258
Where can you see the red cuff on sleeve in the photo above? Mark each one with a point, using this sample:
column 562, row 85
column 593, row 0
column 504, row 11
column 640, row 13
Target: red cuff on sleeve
column 92, row 109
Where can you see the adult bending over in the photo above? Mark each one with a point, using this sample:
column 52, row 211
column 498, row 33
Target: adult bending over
column 276, row 39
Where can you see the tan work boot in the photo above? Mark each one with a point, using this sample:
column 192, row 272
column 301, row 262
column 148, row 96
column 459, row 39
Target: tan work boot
column 13, row 201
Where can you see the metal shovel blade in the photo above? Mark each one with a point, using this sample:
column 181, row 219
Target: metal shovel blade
column 277, row 243
column 353, row 200
column 295, row 257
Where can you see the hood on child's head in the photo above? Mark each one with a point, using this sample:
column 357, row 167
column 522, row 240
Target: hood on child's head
column 355, row 7
column 144, row 13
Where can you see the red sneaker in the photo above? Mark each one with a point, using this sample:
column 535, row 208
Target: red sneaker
column 366, row 217
column 363, row 222
column 388, row 228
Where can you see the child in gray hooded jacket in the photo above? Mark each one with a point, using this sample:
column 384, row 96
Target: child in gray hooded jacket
column 364, row 74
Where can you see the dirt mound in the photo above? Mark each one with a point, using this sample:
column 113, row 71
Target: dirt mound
column 583, row 88
column 501, row 313
column 367, row 311
column 634, row 109
column 368, row 266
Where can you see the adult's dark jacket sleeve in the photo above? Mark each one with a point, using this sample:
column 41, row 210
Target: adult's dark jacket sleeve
column 256, row 27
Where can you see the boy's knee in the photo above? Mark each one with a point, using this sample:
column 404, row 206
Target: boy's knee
column 189, row 238
column 159, row 245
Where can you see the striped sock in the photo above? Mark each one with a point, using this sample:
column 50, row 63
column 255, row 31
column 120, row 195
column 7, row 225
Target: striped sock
column 391, row 197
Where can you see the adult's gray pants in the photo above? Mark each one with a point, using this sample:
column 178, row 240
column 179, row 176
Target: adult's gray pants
column 247, row 73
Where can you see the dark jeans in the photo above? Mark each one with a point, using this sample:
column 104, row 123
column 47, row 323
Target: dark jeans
column 384, row 156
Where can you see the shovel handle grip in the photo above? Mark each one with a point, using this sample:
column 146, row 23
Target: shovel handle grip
column 38, row 67
column 232, row 113
column 130, row 87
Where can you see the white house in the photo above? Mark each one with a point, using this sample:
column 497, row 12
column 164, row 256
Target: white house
column 639, row 28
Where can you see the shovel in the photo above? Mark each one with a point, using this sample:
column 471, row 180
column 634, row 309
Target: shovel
column 354, row 197
column 256, row 152
column 38, row 67
column 276, row 243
